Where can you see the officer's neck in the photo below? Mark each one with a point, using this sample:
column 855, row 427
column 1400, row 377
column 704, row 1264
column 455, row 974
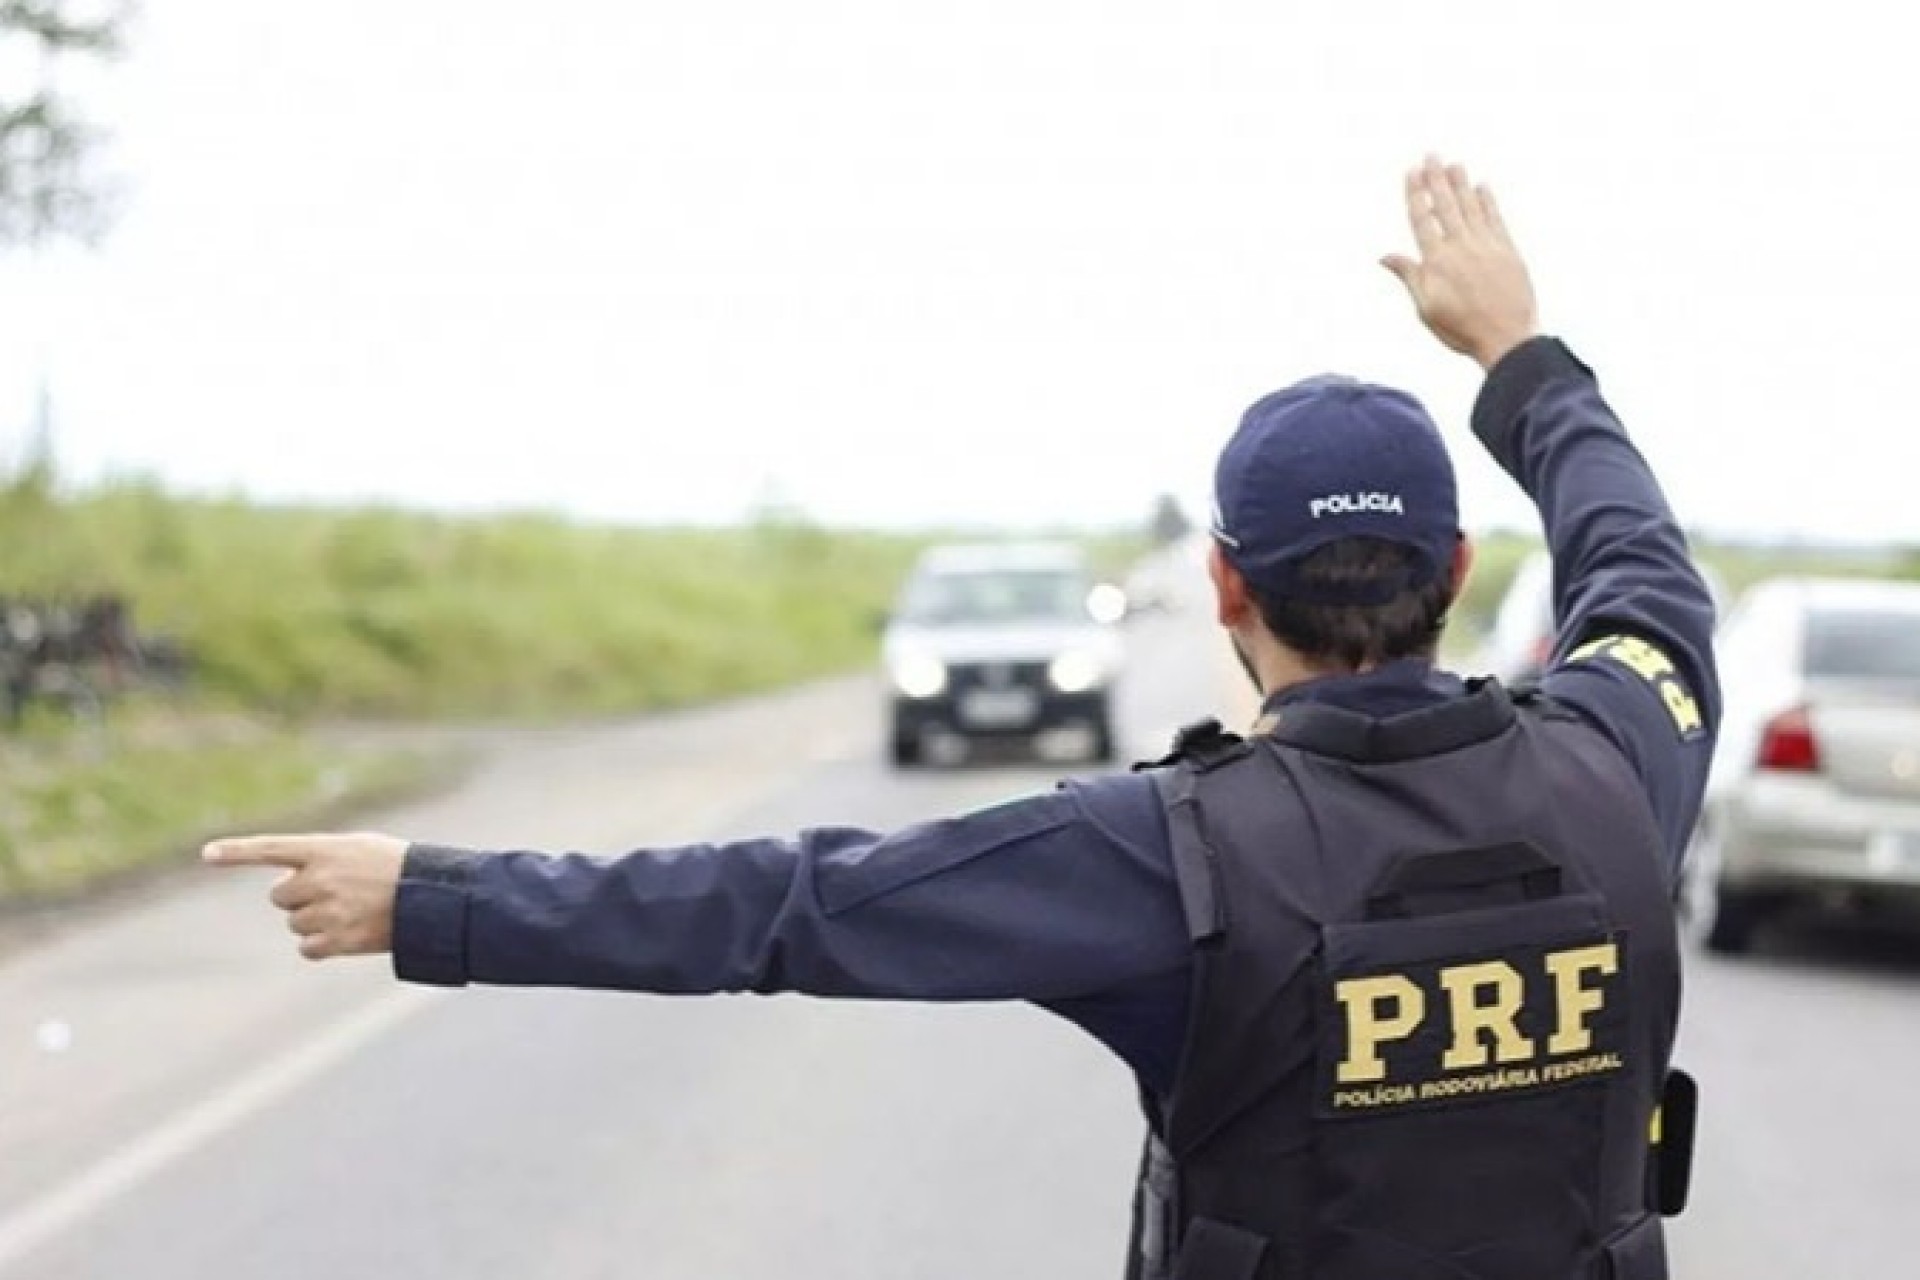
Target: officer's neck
column 1275, row 668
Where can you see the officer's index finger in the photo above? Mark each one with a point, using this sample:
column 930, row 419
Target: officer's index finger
column 292, row 852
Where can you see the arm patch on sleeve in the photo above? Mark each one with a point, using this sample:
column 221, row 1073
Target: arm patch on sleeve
column 1654, row 667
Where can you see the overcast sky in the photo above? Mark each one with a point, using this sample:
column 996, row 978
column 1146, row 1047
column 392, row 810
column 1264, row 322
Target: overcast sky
column 1006, row 260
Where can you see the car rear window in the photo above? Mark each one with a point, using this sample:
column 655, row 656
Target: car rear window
column 1873, row 644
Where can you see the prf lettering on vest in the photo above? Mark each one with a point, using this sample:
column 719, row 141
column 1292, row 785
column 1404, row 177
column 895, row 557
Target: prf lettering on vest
column 1368, row 1025
column 1484, row 1023
column 1574, row 1000
column 1474, row 1017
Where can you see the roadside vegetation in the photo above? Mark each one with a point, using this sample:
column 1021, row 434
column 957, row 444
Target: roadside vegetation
column 383, row 613
column 79, row 807
column 286, row 616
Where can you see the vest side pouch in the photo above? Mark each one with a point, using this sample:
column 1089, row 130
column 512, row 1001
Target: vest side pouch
column 1462, row 1067
column 1670, row 1171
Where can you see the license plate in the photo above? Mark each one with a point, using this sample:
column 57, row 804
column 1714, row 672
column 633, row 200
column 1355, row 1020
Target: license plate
column 998, row 708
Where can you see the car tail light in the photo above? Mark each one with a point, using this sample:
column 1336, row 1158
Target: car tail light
column 1788, row 743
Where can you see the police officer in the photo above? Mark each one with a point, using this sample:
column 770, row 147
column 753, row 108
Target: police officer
column 1396, row 973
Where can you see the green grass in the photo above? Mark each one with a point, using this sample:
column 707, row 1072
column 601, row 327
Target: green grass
column 380, row 612
column 79, row 808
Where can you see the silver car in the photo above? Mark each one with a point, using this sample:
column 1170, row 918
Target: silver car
column 1522, row 637
column 1815, row 788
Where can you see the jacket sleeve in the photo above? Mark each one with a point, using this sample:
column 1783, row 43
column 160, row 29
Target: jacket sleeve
column 1048, row 898
column 1634, row 619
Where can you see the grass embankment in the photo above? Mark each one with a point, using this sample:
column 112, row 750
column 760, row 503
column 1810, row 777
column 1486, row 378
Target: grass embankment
column 390, row 614
column 81, row 807
column 296, row 614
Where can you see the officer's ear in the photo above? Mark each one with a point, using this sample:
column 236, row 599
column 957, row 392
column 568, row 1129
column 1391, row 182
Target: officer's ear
column 1462, row 565
column 1233, row 603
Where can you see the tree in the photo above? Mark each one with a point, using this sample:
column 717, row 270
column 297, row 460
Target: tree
column 1169, row 523
column 48, row 186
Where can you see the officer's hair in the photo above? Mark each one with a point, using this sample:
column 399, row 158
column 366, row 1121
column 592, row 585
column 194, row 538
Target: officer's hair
column 1355, row 636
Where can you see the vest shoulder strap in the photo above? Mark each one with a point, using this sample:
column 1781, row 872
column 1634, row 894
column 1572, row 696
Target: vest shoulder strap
column 1529, row 696
column 1222, row 768
column 1203, row 744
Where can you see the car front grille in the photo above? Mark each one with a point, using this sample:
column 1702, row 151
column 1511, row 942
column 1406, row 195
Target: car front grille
column 997, row 675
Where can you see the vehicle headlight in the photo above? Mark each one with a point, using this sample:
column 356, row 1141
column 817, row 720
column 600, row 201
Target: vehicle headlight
column 1107, row 603
column 919, row 676
column 1076, row 672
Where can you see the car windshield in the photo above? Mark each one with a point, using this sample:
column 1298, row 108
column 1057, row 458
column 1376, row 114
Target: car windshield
column 946, row 599
column 1872, row 644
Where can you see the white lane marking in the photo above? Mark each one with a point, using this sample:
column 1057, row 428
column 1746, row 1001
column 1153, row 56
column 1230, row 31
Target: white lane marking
column 88, row 1192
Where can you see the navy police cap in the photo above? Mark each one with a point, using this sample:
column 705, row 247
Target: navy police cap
column 1330, row 458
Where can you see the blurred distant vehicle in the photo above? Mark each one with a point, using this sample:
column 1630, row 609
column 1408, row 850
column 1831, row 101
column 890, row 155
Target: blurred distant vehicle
column 1170, row 578
column 74, row 654
column 1815, row 791
column 1154, row 585
column 1002, row 640
column 1522, row 637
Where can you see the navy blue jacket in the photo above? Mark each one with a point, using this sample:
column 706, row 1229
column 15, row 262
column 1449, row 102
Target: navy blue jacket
column 1067, row 899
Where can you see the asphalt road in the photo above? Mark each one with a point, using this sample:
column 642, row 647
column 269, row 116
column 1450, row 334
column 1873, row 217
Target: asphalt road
column 219, row 1108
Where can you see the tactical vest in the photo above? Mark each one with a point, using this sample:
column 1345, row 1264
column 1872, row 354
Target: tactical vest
column 1436, row 983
